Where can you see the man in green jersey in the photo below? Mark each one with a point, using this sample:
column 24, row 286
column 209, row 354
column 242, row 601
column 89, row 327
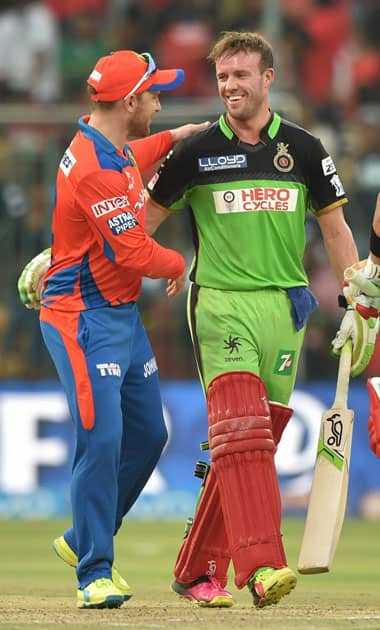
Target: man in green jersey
column 249, row 181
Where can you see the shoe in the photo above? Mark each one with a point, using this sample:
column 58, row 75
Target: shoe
column 101, row 593
column 64, row 551
column 204, row 592
column 268, row 585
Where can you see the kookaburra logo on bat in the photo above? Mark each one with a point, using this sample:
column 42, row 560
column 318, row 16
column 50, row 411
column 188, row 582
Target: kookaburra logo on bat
column 336, row 429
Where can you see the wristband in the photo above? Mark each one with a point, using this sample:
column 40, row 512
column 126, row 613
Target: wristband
column 374, row 243
column 342, row 302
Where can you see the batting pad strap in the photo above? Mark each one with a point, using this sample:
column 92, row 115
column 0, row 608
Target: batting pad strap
column 237, row 435
column 281, row 415
column 236, row 395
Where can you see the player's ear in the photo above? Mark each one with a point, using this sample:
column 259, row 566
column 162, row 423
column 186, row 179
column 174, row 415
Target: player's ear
column 130, row 103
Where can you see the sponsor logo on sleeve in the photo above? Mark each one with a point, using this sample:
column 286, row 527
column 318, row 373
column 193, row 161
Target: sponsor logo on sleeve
column 260, row 199
column 221, row 162
column 122, row 223
column 328, row 166
column 67, row 162
column 337, row 184
column 109, row 205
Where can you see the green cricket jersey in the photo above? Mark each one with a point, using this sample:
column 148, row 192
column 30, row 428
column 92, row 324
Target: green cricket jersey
column 249, row 202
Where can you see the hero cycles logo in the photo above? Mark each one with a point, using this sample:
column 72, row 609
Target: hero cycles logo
column 256, row 199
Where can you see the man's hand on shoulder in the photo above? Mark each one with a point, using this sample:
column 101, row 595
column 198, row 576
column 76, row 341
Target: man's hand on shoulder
column 179, row 133
column 31, row 280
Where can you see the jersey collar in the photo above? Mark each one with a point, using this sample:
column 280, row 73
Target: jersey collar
column 267, row 133
column 102, row 142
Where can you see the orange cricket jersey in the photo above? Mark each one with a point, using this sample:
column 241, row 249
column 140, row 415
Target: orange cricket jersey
column 100, row 250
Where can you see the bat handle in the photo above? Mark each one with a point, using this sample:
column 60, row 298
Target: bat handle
column 343, row 379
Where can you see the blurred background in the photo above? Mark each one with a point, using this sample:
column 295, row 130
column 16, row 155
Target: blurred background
column 327, row 61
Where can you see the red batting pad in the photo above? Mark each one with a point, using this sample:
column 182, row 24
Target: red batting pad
column 205, row 550
column 281, row 415
column 242, row 452
column 373, row 385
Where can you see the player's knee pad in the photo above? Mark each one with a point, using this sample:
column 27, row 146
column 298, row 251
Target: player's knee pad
column 239, row 415
column 242, row 451
column 281, row 415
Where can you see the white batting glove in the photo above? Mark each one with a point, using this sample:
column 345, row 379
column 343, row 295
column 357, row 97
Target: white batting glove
column 362, row 332
column 361, row 320
column 31, row 280
column 362, row 287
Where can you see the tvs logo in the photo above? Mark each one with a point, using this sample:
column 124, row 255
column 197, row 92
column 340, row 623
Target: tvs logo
column 109, row 369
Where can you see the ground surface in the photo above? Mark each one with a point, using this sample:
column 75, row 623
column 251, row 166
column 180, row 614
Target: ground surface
column 37, row 590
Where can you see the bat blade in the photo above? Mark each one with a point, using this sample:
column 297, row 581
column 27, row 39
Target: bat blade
column 328, row 497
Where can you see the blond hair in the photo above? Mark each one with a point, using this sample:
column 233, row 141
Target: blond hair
column 232, row 42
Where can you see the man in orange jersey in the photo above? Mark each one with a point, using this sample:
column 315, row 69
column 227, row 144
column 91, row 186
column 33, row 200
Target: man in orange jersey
column 89, row 317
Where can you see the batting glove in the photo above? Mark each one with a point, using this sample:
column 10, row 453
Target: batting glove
column 31, row 281
column 373, row 385
column 363, row 332
column 362, row 287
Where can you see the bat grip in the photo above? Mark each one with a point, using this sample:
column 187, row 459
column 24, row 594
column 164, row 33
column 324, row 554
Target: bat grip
column 343, row 380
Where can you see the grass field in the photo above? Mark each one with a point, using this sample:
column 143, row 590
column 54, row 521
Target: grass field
column 37, row 590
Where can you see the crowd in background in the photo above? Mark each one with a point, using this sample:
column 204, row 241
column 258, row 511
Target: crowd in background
column 327, row 61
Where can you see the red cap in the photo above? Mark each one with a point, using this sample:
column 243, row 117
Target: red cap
column 126, row 72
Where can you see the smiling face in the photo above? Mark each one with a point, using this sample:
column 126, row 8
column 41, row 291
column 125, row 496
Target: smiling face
column 243, row 85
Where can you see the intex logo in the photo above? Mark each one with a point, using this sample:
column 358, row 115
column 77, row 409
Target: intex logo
column 109, row 205
column 109, row 369
column 220, row 162
column 150, row 367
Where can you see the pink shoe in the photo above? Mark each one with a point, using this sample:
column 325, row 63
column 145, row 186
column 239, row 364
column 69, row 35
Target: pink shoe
column 204, row 591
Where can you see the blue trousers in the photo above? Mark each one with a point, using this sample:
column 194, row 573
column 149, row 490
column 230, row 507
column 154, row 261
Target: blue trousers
column 106, row 366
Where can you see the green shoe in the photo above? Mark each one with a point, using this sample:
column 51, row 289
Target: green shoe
column 101, row 593
column 64, row 551
column 268, row 585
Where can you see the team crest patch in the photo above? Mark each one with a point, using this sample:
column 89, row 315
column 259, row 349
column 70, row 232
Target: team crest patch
column 285, row 362
column 283, row 161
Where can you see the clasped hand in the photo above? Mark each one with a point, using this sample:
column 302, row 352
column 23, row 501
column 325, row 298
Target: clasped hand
column 361, row 320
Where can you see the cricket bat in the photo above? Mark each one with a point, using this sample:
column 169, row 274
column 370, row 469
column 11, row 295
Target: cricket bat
column 328, row 498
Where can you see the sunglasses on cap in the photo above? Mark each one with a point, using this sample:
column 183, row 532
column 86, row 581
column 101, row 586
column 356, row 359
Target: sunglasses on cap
column 149, row 71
